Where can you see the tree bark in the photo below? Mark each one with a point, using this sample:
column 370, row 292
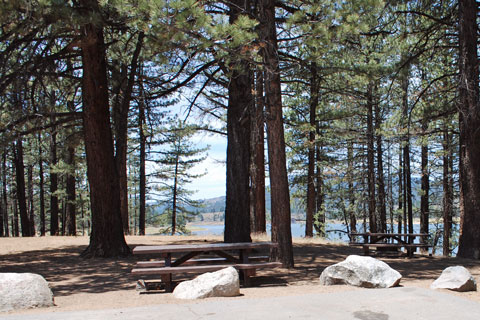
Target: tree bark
column 121, row 133
column 53, row 184
column 71, row 208
column 142, row 173
column 424, row 199
column 257, row 174
column 15, row 226
column 31, row 201
column 447, row 193
column 41, row 186
column 400, row 190
column 280, row 197
column 469, row 109
column 175, row 192
column 106, row 238
column 382, row 205
column 21, row 197
column 319, row 219
column 4, row 193
column 372, row 214
column 240, row 104
column 351, row 190
column 311, row 208
column 407, row 177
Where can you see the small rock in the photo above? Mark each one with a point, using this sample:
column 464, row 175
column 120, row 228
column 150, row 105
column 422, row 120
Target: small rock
column 366, row 272
column 222, row 283
column 455, row 278
column 23, row 291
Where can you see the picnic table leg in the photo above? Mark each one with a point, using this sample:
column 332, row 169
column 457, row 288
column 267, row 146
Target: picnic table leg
column 366, row 251
column 247, row 273
column 167, row 279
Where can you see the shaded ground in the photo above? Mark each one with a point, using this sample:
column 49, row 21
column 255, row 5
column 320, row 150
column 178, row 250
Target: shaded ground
column 80, row 283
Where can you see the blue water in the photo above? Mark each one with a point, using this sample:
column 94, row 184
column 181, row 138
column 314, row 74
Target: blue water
column 335, row 232
column 298, row 230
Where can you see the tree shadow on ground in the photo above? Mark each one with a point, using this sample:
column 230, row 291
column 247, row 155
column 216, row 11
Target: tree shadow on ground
column 68, row 273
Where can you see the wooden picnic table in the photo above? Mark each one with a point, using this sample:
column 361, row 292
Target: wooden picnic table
column 238, row 255
column 389, row 240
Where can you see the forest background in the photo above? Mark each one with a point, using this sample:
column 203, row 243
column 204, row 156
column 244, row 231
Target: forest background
column 368, row 110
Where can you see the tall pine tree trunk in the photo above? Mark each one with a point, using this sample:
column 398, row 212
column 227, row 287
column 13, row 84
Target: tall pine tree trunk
column 407, row 176
column 240, row 104
column 53, row 184
column 41, row 185
column 121, row 130
column 469, row 108
column 31, row 201
column 372, row 218
column 280, row 197
column 175, row 193
column 351, row 190
column 400, row 190
column 71, row 208
column 106, row 238
column 20, row 180
column 424, row 199
column 382, row 205
column 447, row 192
column 142, row 159
column 4, row 193
column 311, row 151
column 257, row 165
column 15, row 225
column 319, row 219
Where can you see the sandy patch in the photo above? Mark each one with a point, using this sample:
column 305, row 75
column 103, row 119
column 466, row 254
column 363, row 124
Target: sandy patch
column 80, row 284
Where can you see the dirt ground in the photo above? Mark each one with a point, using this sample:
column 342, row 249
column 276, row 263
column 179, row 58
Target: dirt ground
column 87, row 284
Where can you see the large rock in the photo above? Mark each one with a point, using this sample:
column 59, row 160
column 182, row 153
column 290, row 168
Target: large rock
column 359, row 271
column 456, row 278
column 222, row 283
column 23, row 291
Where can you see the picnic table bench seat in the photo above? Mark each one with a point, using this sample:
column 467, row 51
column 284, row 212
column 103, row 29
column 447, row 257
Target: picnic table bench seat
column 388, row 241
column 159, row 263
column 399, row 245
column 205, row 268
column 193, row 258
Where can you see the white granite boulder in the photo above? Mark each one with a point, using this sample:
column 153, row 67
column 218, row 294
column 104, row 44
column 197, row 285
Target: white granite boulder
column 222, row 283
column 359, row 271
column 23, row 291
column 455, row 278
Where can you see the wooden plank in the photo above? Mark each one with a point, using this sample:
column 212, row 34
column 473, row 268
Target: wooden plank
column 151, row 264
column 258, row 265
column 186, row 269
column 399, row 245
column 157, row 263
column 203, row 247
column 377, row 234
column 205, row 268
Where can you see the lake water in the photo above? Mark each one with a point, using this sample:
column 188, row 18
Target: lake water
column 298, row 231
column 335, row 231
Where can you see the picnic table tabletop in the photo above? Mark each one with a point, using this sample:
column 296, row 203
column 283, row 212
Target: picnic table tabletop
column 203, row 247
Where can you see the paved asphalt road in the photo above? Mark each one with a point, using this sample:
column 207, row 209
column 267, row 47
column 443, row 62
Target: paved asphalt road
column 367, row 304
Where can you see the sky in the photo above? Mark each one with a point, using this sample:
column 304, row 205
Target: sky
column 213, row 184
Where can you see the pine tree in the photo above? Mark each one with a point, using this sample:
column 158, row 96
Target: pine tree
column 176, row 162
